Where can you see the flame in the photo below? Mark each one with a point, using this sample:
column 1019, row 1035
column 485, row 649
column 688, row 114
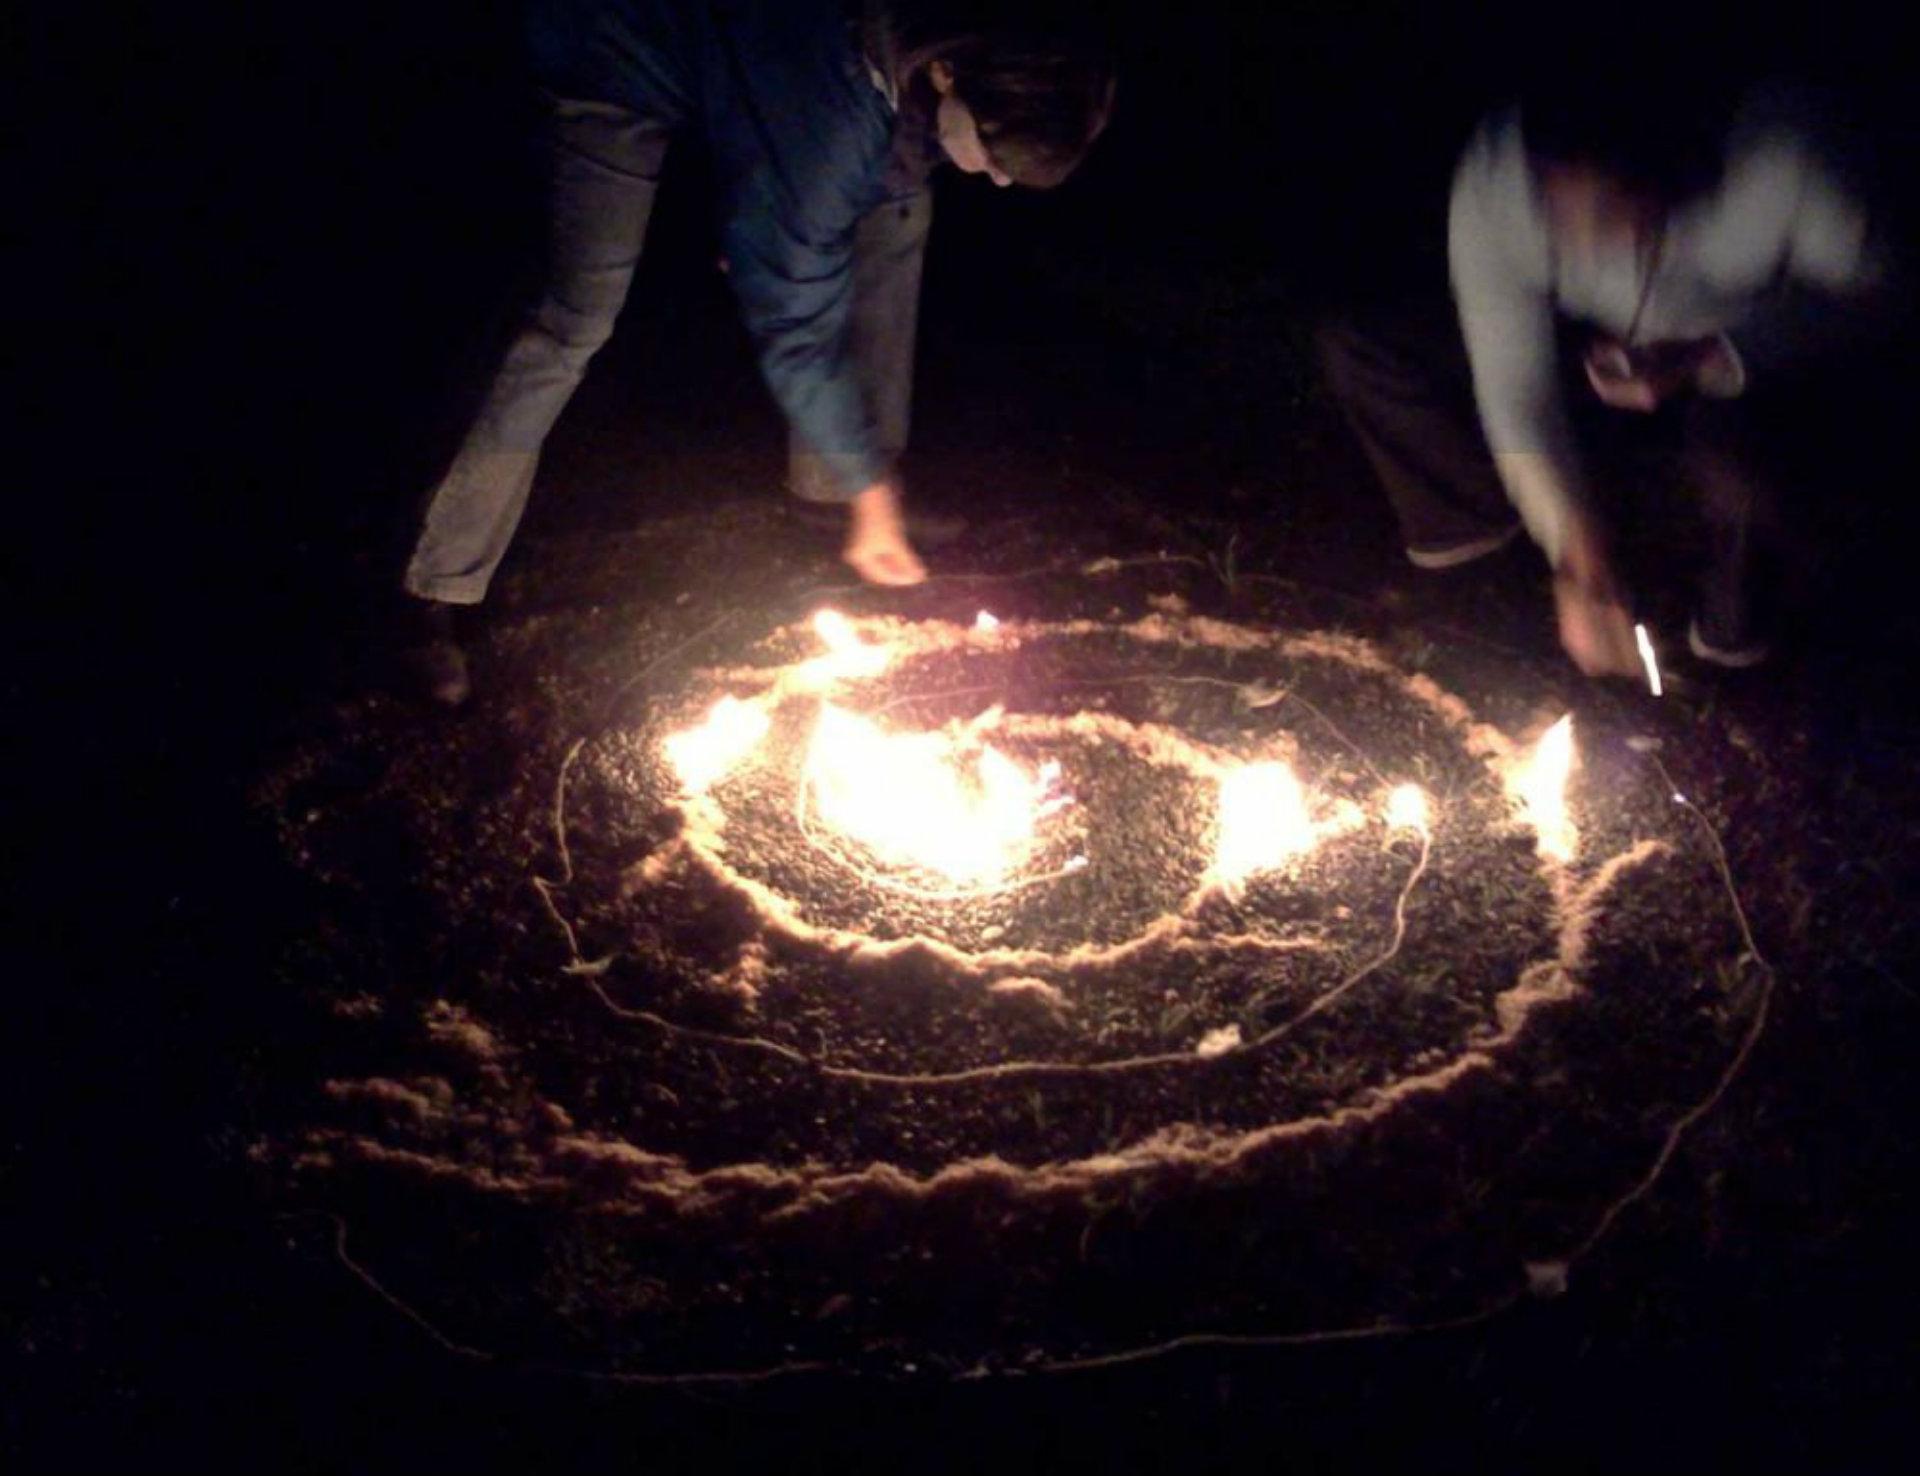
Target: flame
column 704, row 755
column 847, row 655
column 906, row 796
column 986, row 620
column 1540, row 781
column 1263, row 821
column 1407, row 808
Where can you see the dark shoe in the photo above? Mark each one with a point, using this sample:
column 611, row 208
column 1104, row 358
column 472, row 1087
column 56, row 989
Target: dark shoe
column 1453, row 555
column 1717, row 650
column 433, row 664
column 924, row 529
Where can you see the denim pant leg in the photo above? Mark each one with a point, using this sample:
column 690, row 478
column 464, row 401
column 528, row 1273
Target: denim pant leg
column 604, row 170
column 889, row 247
column 1400, row 375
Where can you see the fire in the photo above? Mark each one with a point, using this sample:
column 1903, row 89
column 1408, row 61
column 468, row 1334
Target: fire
column 1407, row 808
column 704, row 755
column 1540, row 781
column 986, row 621
column 908, row 797
column 847, row 655
column 1263, row 821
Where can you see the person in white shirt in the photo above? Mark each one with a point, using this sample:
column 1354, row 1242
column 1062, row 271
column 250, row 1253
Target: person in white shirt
column 1648, row 253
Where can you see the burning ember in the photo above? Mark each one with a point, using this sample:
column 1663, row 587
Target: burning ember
column 705, row 755
column 913, row 800
column 1540, row 782
column 986, row 620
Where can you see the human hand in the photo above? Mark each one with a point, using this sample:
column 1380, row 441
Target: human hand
column 877, row 545
column 1644, row 379
column 1595, row 628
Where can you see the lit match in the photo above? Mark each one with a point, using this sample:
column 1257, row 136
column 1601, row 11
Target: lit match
column 1642, row 640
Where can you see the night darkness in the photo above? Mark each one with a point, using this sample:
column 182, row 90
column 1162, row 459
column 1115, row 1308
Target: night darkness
column 270, row 259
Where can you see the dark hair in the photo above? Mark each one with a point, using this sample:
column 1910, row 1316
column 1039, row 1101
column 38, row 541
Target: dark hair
column 1663, row 138
column 1040, row 85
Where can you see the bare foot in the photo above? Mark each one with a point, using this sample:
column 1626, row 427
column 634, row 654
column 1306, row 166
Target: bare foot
column 877, row 545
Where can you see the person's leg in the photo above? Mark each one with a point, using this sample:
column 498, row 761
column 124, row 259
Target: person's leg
column 1401, row 378
column 1726, row 468
column 605, row 168
column 889, row 248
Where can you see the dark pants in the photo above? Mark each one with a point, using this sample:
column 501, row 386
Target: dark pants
column 1400, row 374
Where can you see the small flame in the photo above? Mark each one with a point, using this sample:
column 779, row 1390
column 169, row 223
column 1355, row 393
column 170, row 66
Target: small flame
column 986, row 620
column 1263, row 821
column 704, row 755
column 847, row 655
column 1407, row 808
column 906, row 796
column 1645, row 644
column 1541, row 783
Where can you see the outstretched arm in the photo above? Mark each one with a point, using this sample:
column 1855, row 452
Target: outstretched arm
column 1499, row 259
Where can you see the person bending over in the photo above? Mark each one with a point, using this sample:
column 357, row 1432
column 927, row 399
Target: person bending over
column 823, row 118
column 1653, row 250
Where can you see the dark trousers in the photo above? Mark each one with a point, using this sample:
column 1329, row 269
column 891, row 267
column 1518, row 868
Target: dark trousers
column 1400, row 375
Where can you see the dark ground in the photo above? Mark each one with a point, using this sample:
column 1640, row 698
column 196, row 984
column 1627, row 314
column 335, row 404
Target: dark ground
column 1126, row 357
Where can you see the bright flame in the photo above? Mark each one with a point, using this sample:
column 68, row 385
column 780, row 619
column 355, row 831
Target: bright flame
column 1645, row 644
column 1407, row 808
column 986, row 620
column 905, row 795
column 704, row 755
column 847, row 655
column 1263, row 821
column 1541, row 783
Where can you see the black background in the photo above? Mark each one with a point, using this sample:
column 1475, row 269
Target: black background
column 264, row 252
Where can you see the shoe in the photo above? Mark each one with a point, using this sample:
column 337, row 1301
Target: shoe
column 1452, row 555
column 433, row 662
column 1734, row 655
column 924, row 529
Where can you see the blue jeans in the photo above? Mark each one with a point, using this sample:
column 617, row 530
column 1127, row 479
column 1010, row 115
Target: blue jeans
column 604, row 172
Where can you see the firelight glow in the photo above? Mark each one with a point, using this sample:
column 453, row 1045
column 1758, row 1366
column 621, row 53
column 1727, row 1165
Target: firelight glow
column 1540, row 781
column 986, row 620
column 907, row 797
column 1263, row 821
column 847, row 655
column 705, row 755
column 1407, row 808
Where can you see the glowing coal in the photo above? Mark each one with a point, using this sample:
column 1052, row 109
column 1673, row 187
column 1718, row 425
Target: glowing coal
column 915, row 800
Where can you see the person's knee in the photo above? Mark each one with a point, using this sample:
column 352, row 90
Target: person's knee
column 577, row 331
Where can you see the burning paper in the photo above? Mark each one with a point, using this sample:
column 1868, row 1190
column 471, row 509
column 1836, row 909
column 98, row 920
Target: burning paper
column 1540, row 781
column 705, row 755
column 910, row 797
column 1263, row 821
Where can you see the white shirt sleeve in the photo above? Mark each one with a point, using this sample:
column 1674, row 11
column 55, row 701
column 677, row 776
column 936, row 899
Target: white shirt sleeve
column 1500, row 261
